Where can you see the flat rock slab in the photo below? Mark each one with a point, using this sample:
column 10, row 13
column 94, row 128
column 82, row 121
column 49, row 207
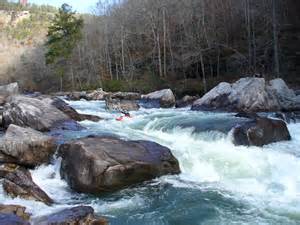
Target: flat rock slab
column 104, row 164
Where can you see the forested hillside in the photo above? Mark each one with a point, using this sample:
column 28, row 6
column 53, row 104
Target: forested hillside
column 187, row 45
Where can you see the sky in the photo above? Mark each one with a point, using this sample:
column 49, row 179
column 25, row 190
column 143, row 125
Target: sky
column 82, row 6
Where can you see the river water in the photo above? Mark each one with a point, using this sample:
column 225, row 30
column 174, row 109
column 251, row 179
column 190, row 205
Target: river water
column 219, row 184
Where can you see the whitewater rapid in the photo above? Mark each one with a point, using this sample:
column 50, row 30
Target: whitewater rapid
column 220, row 183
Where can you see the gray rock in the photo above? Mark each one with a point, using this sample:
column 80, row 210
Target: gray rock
column 68, row 110
column 125, row 96
column 77, row 95
column 249, row 95
column 98, row 94
column 9, row 89
column 98, row 164
column 165, row 98
column 121, row 105
column 260, row 131
column 26, row 146
column 31, row 112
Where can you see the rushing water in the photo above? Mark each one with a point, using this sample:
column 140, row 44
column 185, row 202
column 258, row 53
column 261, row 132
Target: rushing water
column 219, row 184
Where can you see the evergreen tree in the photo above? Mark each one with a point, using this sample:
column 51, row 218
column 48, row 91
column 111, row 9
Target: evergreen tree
column 63, row 35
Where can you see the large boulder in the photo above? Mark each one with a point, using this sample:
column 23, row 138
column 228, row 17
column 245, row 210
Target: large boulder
column 260, row 131
column 102, row 164
column 35, row 113
column 68, row 110
column 18, row 183
column 165, row 98
column 9, row 89
column 121, row 105
column 249, row 95
column 78, row 215
column 185, row 101
column 12, row 219
column 17, row 210
column 26, row 146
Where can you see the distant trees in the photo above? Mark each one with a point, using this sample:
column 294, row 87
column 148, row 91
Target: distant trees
column 63, row 35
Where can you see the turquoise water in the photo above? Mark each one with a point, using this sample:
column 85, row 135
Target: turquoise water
column 219, row 184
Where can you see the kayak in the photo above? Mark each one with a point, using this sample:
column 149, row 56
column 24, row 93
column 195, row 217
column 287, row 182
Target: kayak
column 121, row 118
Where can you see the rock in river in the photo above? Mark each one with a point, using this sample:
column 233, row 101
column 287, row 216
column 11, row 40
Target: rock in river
column 17, row 210
column 260, row 131
column 26, row 146
column 104, row 164
column 11, row 219
column 9, row 89
column 18, row 183
column 165, row 98
column 31, row 112
column 80, row 215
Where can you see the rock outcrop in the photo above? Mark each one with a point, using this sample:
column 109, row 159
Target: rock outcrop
column 32, row 112
column 101, row 164
column 133, row 96
column 18, row 183
column 249, row 95
column 165, row 98
column 260, row 131
column 77, row 215
column 26, row 146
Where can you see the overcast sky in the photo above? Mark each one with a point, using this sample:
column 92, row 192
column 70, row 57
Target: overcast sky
column 78, row 5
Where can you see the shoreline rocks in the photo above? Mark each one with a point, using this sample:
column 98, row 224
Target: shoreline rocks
column 31, row 112
column 104, row 164
column 260, row 131
column 249, row 95
column 185, row 101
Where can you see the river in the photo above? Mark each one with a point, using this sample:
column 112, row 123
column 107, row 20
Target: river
column 219, row 184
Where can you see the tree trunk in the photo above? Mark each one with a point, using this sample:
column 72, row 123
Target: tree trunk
column 275, row 39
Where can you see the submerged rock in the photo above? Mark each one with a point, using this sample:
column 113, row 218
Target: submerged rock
column 12, row 219
column 18, row 183
column 165, row 98
column 26, row 146
column 102, row 164
column 185, row 101
column 9, row 89
column 35, row 113
column 80, row 215
column 249, row 95
column 121, row 105
column 260, row 131
column 16, row 210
